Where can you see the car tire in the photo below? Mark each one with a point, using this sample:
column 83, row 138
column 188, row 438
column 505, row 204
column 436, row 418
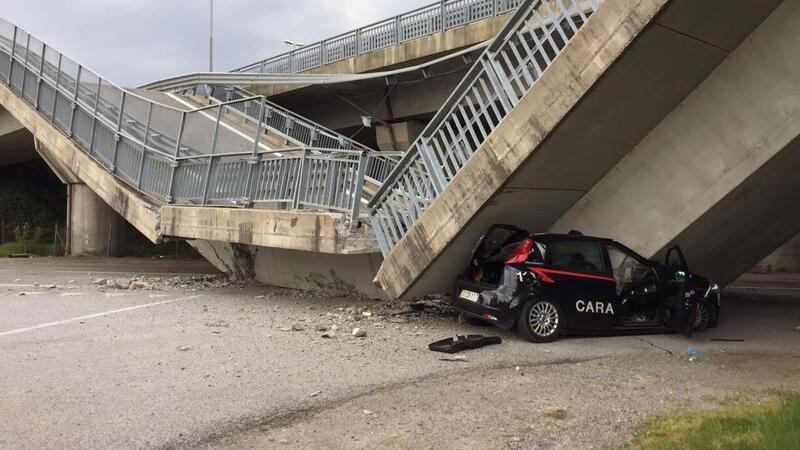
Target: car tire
column 705, row 316
column 540, row 321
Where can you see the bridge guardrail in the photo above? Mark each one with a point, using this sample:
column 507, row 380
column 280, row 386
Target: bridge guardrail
column 424, row 21
column 172, row 155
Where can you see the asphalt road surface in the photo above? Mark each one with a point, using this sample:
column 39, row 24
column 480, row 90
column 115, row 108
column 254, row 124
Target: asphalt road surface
column 191, row 364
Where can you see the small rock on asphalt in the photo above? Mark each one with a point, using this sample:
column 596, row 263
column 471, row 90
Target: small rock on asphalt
column 359, row 332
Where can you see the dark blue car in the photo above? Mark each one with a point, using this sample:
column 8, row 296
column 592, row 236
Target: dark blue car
column 549, row 285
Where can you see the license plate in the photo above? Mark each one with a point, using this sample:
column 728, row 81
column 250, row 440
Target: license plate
column 469, row 295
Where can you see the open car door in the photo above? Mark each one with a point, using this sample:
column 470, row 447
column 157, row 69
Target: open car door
column 680, row 305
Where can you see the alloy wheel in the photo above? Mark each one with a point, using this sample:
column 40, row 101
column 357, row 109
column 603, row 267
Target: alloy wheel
column 543, row 319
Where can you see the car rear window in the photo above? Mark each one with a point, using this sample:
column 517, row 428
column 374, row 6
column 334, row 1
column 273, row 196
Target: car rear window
column 575, row 255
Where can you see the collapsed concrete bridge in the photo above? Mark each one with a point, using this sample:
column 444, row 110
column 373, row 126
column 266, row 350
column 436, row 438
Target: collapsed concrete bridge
column 649, row 121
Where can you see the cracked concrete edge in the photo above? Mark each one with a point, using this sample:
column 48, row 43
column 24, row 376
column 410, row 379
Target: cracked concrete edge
column 140, row 213
column 313, row 231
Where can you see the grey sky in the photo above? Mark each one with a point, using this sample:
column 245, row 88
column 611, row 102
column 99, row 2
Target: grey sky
column 135, row 41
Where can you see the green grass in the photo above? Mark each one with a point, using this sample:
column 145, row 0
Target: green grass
column 32, row 249
column 773, row 425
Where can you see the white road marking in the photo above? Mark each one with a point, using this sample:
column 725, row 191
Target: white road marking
column 17, row 285
column 214, row 119
column 92, row 316
column 72, row 294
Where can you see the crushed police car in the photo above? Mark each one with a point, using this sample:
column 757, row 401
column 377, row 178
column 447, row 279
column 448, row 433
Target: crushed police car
column 549, row 285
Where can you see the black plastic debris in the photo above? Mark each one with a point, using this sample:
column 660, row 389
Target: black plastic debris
column 461, row 342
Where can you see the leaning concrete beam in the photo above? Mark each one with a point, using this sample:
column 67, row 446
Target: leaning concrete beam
column 593, row 50
column 719, row 174
column 293, row 230
column 57, row 146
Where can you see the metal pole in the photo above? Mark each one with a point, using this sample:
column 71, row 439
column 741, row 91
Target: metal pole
column 211, row 37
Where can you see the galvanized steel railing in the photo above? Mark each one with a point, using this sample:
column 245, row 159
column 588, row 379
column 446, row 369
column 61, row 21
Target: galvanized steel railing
column 194, row 157
column 425, row 21
column 493, row 87
column 289, row 125
column 297, row 129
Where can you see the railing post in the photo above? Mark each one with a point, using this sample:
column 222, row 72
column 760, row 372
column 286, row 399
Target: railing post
column 25, row 68
column 437, row 177
column 398, row 30
column 13, row 52
column 117, row 136
column 302, row 180
column 94, row 115
column 207, row 182
column 144, row 147
column 358, row 189
column 358, row 42
column 58, row 82
column 75, row 101
column 443, row 14
column 291, row 62
column 175, row 162
column 252, row 162
column 39, row 78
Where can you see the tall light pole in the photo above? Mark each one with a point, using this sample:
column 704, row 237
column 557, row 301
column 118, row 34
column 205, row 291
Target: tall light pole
column 211, row 36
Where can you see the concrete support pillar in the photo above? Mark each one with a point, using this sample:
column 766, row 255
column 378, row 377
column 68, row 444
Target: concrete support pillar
column 94, row 228
column 398, row 137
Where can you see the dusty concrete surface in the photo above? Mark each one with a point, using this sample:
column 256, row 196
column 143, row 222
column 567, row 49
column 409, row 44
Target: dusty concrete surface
column 313, row 231
column 192, row 362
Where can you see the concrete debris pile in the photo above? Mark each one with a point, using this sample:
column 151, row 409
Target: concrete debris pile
column 189, row 282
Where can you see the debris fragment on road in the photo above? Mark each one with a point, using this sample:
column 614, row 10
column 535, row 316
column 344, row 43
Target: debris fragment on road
column 457, row 358
column 359, row 332
column 461, row 342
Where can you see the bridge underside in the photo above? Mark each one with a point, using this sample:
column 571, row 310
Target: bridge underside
column 626, row 72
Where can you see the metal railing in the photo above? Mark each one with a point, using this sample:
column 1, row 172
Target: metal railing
column 290, row 126
column 425, row 21
column 505, row 72
column 194, row 157
column 298, row 130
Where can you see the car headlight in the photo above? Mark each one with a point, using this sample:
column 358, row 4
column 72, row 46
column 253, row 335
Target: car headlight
column 712, row 288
